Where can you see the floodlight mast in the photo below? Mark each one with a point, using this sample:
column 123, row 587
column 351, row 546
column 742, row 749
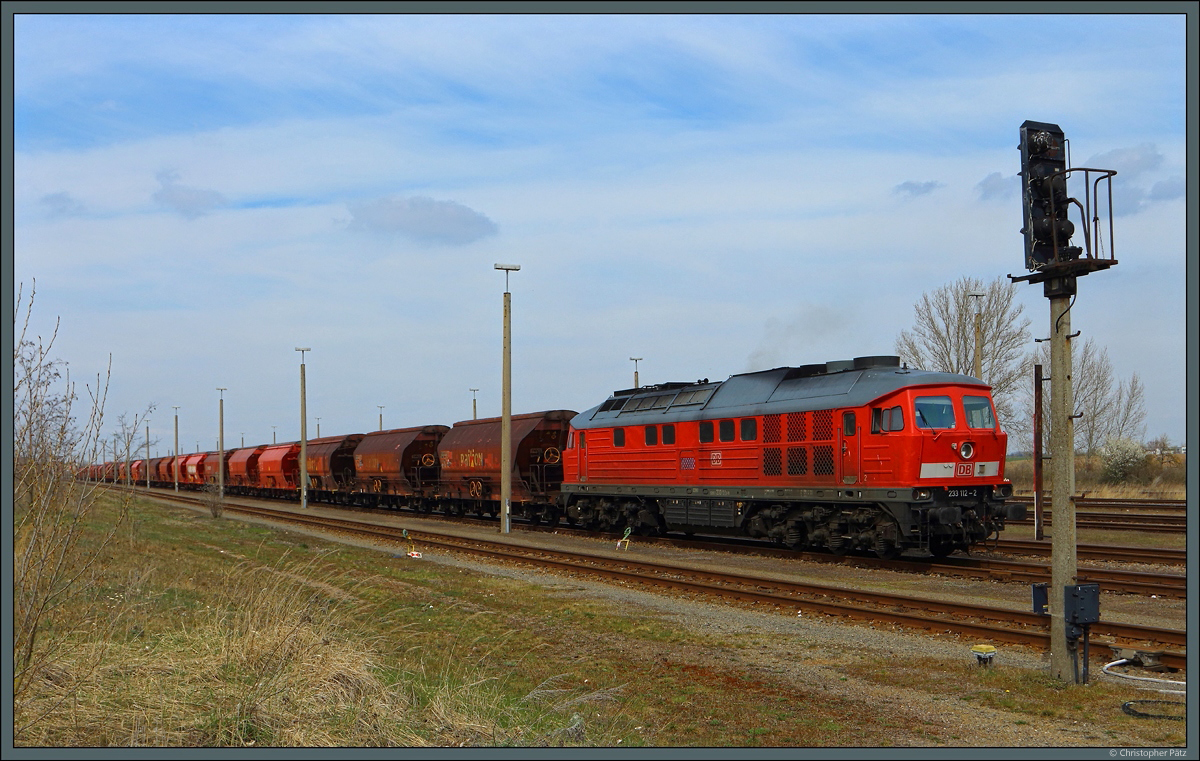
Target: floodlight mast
column 506, row 406
column 303, row 436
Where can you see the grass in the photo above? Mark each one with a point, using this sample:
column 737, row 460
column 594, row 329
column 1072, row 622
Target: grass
column 224, row 633
column 1035, row 695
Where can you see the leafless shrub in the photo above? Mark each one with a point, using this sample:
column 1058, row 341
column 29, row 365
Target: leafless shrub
column 55, row 571
column 214, row 500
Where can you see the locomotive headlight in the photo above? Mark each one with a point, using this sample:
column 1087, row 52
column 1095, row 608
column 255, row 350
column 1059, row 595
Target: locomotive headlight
column 966, row 450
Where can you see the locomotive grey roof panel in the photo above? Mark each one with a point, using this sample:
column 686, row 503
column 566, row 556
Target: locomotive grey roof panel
column 783, row 389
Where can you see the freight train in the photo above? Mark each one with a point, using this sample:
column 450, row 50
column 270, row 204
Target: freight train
column 863, row 454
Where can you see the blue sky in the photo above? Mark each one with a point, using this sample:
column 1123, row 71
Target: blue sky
column 197, row 195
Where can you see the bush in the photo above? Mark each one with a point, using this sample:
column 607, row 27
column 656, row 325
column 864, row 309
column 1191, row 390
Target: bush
column 1123, row 459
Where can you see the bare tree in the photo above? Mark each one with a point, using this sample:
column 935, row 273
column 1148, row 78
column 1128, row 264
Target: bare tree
column 943, row 338
column 1092, row 387
column 1102, row 411
column 54, row 568
column 1129, row 410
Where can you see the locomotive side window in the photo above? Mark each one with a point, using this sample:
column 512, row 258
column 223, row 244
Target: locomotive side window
column 894, row 419
column 934, row 412
column 706, row 432
column 651, row 435
column 583, row 440
column 668, row 434
column 618, row 437
column 725, row 430
column 848, row 424
column 749, row 429
column 979, row 412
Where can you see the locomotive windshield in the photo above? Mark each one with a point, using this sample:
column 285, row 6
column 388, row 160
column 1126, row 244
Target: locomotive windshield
column 934, row 412
column 979, row 412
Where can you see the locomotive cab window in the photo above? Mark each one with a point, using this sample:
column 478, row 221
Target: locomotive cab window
column 706, row 432
column 979, row 412
column 749, row 429
column 668, row 436
column 651, row 435
column 725, row 430
column 935, row 412
column 891, row 419
column 848, row 425
column 618, row 437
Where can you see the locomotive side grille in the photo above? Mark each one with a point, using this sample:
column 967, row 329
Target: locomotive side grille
column 772, row 461
column 823, row 461
column 823, row 425
column 796, row 426
column 797, row 461
column 771, row 428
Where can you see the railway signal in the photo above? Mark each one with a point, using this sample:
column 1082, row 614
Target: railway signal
column 1047, row 229
column 1058, row 265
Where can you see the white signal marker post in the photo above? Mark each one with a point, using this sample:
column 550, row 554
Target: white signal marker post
column 506, row 407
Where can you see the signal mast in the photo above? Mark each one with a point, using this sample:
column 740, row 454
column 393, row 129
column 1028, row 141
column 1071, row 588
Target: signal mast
column 1054, row 262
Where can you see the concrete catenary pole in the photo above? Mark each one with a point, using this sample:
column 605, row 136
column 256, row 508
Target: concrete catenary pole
column 474, row 409
column 175, row 462
column 506, row 407
column 303, row 436
column 147, row 458
column 221, row 446
column 978, row 335
column 380, row 406
column 1063, row 563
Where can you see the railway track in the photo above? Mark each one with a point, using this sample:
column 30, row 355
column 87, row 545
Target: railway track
column 998, row 624
column 1143, row 522
column 1160, row 505
column 1161, row 556
column 999, row 569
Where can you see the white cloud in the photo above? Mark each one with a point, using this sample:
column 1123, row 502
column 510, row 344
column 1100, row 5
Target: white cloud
column 998, row 187
column 61, row 204
column 422, row 219
column 912, row 188
column 188, row 201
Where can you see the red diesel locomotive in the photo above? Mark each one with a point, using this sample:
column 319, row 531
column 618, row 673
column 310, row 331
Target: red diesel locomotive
column 858, row 454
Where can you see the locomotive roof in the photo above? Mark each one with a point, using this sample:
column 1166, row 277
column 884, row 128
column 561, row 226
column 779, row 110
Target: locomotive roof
column 845, row 383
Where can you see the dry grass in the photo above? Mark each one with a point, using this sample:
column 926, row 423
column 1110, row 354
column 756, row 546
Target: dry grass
column 1160, row 478
column 229, row 638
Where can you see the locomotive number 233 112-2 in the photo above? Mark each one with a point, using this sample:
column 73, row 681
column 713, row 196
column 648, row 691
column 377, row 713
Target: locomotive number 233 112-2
column 962, row 492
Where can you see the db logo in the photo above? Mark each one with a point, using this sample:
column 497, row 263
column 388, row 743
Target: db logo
column 964, row 469
column 714, row 458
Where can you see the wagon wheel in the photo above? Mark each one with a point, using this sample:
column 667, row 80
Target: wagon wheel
column 551, row 456
column 427, row 460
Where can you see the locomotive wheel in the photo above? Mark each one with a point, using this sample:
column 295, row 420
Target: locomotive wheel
column 940, row 549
